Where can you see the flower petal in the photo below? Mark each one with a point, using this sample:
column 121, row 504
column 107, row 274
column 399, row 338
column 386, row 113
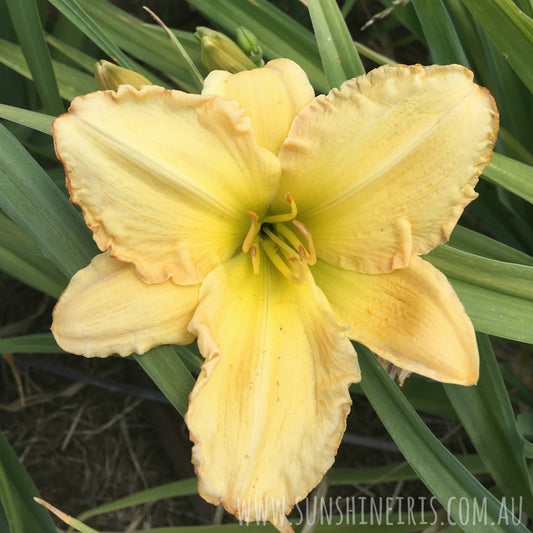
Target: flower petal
column 271, row 96
column 165, row 179
column 268, row 410
column 411, row 317
column 383, row 168
column 107, row 309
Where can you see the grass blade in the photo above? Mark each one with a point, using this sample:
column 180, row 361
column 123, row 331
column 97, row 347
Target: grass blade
column 511, row 175
column 443, row 474
column 510, row 30
column 278, row 34
column 16, row 495
column 21, row 258
column 440, row 33
column 170, row 374
column 339, row 57
column 37, row 206
column 72, row 10
column 31, row 119
column 71, row 82
column 475, row 243
column 37, row 343
column 487, row 415
column 495, row 313
column 148, row 42
column 27, row 24
column 499, row 276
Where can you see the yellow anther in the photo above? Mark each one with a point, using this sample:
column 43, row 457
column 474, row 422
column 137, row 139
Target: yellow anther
column 252, row 232
column 310, row 245
column 287, row 216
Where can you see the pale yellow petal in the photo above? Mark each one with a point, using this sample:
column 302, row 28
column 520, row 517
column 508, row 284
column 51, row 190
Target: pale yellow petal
column 271, row 96
column 165, row 179
column 107, row 309
column 268, row 410
column 383, row 168
column 411, row 317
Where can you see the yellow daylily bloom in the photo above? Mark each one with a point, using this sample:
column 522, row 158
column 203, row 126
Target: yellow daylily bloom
column 275, row 227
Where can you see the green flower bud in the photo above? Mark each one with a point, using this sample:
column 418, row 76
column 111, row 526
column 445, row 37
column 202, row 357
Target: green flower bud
column 250, row 46
column 110, row 76
column 246, row 40
column 219, row 52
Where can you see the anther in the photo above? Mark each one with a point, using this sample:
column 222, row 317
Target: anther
column 298, row 267
column 287, row 216
column 306, row 233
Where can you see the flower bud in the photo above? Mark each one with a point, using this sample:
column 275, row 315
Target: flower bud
column 219, row 52
column 250, row 46
column 109, row 76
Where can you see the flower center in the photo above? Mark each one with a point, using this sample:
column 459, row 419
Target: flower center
column 283, row 240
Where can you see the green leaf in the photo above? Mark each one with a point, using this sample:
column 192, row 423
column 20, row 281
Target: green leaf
column 440, row 33
column 85, row 61
column 37, row 343
column 392, row 472
column 37, row 206
column 511, row 175
column 21, row 258
column 495, row 313
column 335, row 477
column 147, row 42
column 31, row 119
column 72, row 10
column 170, row 374
column 16, row 495
column 475, row 243
column 499, row 276
column 497, row 295
column 440, row 471
column 27, row 24
column 524, row 423
column 278, row 34
column 184, row 487
column 339, row 57
column 487, row 415
column 71, row 82
column 510, row 30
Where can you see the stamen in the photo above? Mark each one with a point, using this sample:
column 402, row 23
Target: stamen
column 310, row 244
column 254, row 254
column 287, row 216
column 298, row 267
column 252, row 232
column 289, row 235
column 280, row 242
column 277, row 261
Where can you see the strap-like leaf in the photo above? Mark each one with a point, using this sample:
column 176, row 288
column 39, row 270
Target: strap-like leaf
column 27, row 24
column 443, row 474
column 37, row 206
column 487, row 415
column 170, row 374
column 511, row 31
column 16, row 495
column 337, row 51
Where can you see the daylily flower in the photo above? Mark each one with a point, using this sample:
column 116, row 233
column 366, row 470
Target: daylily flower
column 275, row 226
